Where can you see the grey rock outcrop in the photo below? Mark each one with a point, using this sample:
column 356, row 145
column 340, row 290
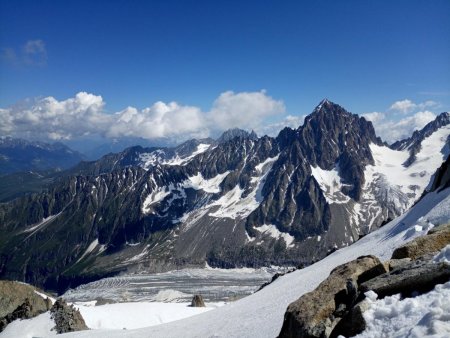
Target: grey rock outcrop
column 436, row 239
column 103, row 301
column 19, row 301
column 197, row 301
column 67, row 318
column 417, row 276
column 316, row 313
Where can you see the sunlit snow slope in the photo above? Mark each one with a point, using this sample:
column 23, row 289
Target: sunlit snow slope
column 261, row 314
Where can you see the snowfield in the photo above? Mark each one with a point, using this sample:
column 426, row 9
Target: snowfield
column 261, row 314
column 120, row 316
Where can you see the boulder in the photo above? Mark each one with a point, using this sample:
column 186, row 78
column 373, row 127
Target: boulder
column 67, row 318
column 103, row 301
column 436, row 239
column 417, row 276
column 197, row 301
column 316, row 313
column 14, row 294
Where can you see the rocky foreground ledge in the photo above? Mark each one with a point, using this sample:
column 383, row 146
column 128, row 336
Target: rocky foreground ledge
column 337, row 305
column 23, row 301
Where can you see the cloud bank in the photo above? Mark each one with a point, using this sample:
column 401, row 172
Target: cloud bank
column 84, row 115
column 414, row 116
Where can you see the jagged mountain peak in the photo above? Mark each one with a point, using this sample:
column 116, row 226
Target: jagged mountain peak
column 236, row 132
column 328, row 106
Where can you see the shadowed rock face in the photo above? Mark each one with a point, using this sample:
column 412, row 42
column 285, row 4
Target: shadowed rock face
column 113, row 215
column 67, row 318
column 442, row 176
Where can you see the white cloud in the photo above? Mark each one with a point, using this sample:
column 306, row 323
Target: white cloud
column 53, row 119
column 32, row 53
column 374, row 117
column 158, row 121
column 84, row 114
column 391, row 130
column 244, row 110
column 35, row 52
column 404, row 106
column 407, row 106
column 272, row 129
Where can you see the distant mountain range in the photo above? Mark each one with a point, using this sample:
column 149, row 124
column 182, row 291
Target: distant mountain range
column 236, row 201
column 18, row 155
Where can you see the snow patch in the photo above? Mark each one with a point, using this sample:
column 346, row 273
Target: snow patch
column 159, row 194
column 211, row 185
column 426, row 315
column 43, row 295
column 233, row 205
column 89, row 249
column 139, row 256
column 443, row 256
column 273, row 232
column 153, row 198
column 148, row 160
column 42, row 223
column 331, row 184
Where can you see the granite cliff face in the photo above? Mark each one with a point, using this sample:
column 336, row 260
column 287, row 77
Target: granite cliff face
column 237, row 201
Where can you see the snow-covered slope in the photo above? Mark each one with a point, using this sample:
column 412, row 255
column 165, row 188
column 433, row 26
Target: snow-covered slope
column 161, row 156
column 261, row 314
column 392, row 185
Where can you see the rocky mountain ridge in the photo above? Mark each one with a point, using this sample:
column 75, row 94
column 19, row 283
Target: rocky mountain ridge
column 20, row 155
column 246, row 201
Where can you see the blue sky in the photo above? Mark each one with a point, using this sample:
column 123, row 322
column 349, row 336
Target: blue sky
column 365, row 55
